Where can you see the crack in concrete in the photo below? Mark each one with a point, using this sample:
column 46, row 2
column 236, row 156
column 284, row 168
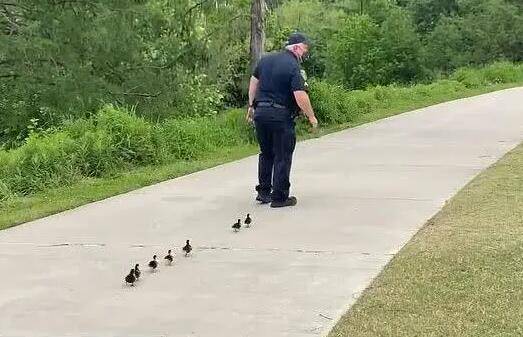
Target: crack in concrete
column 463, row 166
column 305, row 251
column 390, row 198
column 207, row 248
column 74, row 245
column 53, row 245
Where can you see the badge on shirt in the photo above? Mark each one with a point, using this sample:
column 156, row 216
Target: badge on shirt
column 304, row 76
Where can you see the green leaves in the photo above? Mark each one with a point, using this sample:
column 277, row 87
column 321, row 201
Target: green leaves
column 62, row 60
column 364, row 53
column 69, row 58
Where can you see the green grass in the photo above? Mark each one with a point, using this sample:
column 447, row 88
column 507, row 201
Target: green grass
column 22, row 209
column 461, row 274
column 114, row 153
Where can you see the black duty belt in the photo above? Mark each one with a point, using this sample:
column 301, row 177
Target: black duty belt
column 271, row 104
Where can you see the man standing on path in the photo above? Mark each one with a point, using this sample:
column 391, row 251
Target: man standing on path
column 276, row 93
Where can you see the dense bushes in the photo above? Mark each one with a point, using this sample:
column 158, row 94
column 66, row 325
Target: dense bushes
column 501, row 72
column 110, row 141
column 363, row 53
column 66, row 60
column 187, row 58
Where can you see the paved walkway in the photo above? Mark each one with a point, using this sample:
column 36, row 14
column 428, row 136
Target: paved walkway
column 362, row 194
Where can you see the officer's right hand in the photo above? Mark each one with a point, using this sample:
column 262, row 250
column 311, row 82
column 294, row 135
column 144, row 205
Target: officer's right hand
column 314, row 122
column 249, row 115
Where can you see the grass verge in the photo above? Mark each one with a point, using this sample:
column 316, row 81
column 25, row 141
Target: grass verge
column 461, row 274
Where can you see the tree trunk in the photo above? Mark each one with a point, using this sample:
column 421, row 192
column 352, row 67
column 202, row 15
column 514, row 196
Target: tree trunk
column 257, row 31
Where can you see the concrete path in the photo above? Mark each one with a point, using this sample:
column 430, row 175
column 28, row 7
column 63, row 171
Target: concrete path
column 362, row 194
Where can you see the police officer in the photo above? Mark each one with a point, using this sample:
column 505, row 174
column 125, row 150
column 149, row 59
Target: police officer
column 276, row 93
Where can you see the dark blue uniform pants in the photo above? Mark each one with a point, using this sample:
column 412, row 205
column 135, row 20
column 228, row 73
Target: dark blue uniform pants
column 277, row 139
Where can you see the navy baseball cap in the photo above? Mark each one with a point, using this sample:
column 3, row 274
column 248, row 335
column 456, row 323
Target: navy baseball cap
column 296, row 38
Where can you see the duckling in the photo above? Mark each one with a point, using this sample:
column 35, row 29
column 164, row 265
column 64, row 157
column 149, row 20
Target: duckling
column 130, row 278
column 137, row 271
column 237, row 225
column 169, row 257
column 248, row 221
column 187, row 248
column 153, row 264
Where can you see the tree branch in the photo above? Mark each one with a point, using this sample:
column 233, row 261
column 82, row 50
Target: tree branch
column 190, row 49
column 12, row 4
column 9, row 76
column 198, row 4
column 14, row 26
column 136, row 94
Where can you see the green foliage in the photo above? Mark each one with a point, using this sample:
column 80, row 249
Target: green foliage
column 197, row 98
column 313, row 17
column 191, row 138
column 44, row 161
column 364, row 53
column 484, row 31
column 112, row 140
column 355, row 53
column 63, row 61
column 332, row 103
column 444, row 49
column 427, row 13
column 500, row 72
column 401, row 49
column 96, row 153
column 5, row 192
column 131, row 136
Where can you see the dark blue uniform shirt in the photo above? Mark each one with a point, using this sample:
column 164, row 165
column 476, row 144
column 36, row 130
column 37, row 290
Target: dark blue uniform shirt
column 279, row 76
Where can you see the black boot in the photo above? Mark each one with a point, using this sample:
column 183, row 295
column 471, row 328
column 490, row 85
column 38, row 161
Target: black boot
column 290, row 201
column 263, row 198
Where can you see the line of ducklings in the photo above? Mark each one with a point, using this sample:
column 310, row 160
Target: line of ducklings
column 135, row 273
